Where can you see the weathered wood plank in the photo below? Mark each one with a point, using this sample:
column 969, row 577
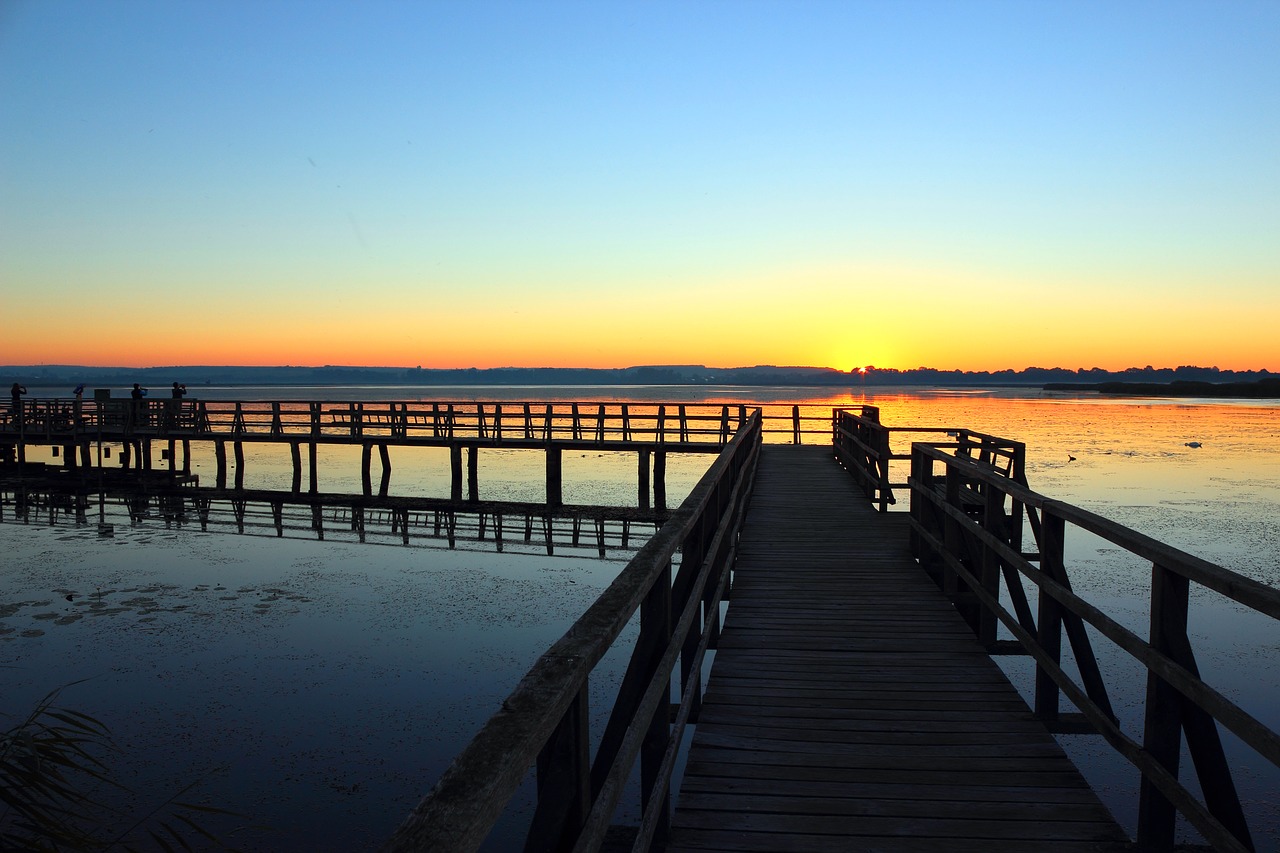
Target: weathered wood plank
column 850, row 706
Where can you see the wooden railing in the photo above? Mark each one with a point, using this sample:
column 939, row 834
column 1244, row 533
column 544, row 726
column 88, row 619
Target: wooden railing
column 545, row 721
column 707, row 424
column 967, row 518
column 864, row 445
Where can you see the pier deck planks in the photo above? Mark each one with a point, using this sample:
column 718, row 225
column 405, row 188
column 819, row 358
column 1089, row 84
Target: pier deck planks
column 850, row 708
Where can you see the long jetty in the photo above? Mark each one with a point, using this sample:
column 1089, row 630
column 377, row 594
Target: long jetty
column 79, row 427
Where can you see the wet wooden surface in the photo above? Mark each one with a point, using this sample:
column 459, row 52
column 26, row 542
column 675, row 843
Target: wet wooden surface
column 849, row 706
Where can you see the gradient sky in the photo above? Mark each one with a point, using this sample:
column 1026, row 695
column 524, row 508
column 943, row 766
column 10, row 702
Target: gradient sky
column 973, row 185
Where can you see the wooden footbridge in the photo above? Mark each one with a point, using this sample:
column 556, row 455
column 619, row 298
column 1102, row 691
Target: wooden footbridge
column 851, row 701
column 850, row 707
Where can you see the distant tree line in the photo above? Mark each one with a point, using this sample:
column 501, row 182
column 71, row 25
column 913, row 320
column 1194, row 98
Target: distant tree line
column 870, row 376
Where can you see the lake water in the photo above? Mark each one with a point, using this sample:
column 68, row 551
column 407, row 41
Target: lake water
column 319, row 688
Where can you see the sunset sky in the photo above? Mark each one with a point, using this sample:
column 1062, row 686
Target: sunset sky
column 971, row 185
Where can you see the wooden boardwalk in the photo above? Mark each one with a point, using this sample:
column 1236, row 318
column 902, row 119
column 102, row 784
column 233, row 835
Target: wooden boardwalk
column 849, row 706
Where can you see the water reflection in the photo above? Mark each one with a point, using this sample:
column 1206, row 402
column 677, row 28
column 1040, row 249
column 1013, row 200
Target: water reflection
column 612, row 533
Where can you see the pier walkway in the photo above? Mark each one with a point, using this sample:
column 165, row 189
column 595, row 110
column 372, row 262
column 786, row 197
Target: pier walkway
column 851, row 708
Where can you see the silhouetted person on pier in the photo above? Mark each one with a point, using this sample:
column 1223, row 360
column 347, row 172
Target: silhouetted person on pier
column 172, row 409
column 139, row 413
column 16, row 393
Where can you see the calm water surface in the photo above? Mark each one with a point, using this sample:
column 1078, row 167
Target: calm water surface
column 319, row 688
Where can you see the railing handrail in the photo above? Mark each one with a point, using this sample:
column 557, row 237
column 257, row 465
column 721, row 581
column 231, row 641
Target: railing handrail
column 942, row 520
column 665, row 423
column 460, row 810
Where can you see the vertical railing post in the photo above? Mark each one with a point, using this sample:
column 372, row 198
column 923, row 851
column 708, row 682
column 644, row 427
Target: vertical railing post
column 555, row 476
column 455, row 472
column 795, row 424
column 655, row 633
column 564, row 781
column 366, row 456
column 643, row 478
column 1162, row 725
column 1049, row 620
column 473, row 473
column 989, row 567
column 922, row 484
column 660, row 479
column 881, row 470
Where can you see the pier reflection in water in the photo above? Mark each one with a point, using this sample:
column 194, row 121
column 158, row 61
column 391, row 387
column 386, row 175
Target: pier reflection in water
column 600, row 531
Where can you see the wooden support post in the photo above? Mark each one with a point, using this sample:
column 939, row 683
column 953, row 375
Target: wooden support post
column 1050, row 617
column 473, row 473
column 660, row 479
column 68, row 456
column 655, row 633
column 295, row 454
column 555, row 476
column 1162, row 728
column 220, row 463
column 145, row 453
column 173, row 457
column 313, row 485
column 385, row 456
column 186, row 457
column 795, row 424
column 366, row 455
column 564, row 781
column 237, row 447
column 993, row 523
column 86, row 458
column 455, row 472
column 644, row 478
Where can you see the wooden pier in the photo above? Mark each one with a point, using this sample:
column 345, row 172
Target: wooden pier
column 651, row 431
column 851, row 704
column 850, row 707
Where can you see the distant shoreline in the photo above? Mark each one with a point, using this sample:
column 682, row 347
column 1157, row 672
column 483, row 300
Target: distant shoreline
column 1180, row 381
column 1258, row 389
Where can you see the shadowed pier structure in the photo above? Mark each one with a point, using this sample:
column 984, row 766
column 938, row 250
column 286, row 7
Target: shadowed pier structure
column 850, row 707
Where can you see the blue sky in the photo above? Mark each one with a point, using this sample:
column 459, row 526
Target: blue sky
column 616, row 183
